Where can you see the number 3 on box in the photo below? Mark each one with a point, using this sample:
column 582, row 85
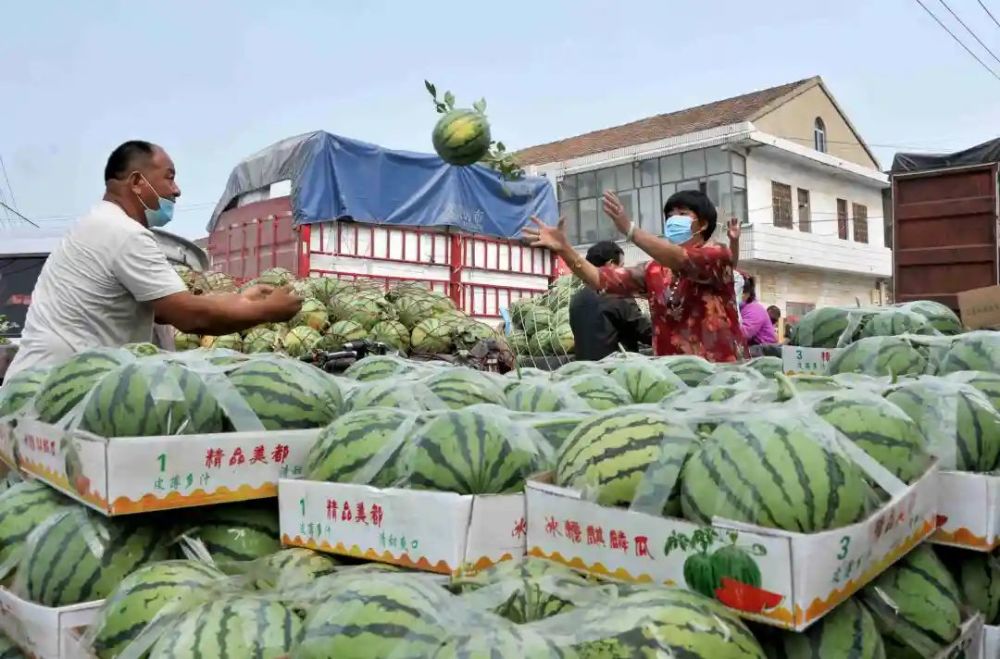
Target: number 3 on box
column 845, row 544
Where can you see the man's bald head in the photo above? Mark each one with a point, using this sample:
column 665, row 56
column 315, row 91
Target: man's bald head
column 134, row 155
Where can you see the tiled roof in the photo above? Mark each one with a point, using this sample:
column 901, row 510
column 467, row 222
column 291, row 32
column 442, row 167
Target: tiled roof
column 711, row 115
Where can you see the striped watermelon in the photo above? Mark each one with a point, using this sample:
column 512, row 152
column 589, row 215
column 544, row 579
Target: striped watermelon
column 236, row 532
column 662, row 622
column 772, row 472
column 489, row 638
column 691, row 370
column 526, row 590
column 961, row 425
column 879, row 355
column 78, row 556
column 600, row 392
column 825, row 327
column 276, row 277
column 184, row 341
column 848, row 632
column 987, row 384
column 462, row 387
column 940, row 317
column 474, row 451
column 977, row 576
column 18, row 391
column 413, row 309
column 292, row 568
column 392, row 333
column 431, row 337
column 300, row 341
column 341, row 333
column 541, row 396
column 151, row 398
column 286, row 394
column 645, row 382
column 229, row 627
column 360, row 447
column 24, row 506
column 610, row 455
column 896, row 322
column 312, row 314
column 802, row 383
column 574, row 369
column 975, row 351
column 394, row 615
column 143, row 594
column 395, row 393
column 68, row 383
column 232, row 342
column 461, row 137
column 378, row 367
column 883, row 430
column 916, row 604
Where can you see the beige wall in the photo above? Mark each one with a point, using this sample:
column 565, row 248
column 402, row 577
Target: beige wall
column 795, row 119
column 780, row 285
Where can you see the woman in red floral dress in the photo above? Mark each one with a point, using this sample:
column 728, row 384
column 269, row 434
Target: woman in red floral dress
column 688, row 281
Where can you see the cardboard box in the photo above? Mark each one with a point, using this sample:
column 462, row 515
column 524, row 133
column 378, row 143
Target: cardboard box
column 970, row 644
column 980, row 308
column 810, row 361
column 991, row 642
column 125, row 475
column 968, row 511
column 433, row 531
column 803, row 576
column 45, row 632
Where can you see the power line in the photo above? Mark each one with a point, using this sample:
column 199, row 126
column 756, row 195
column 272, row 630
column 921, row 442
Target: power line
column 10, row 190
column 959, row 41
column 18, row 213
column 988, row 12
column 969, row 30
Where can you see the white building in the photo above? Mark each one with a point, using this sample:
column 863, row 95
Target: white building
column 785, row 160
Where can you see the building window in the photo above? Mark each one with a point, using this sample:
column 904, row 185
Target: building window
column 842, row 219
column 860, row 223
column 781, row 204
column 819, row 135
column 805, row 215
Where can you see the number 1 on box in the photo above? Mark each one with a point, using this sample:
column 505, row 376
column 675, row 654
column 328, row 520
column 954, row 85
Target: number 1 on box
column 162, row 459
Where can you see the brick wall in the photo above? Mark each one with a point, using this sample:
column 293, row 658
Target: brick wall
column 780, row 285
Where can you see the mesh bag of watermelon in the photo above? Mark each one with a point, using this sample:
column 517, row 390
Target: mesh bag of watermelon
column 778, row 465
column 540, row 395
column 406, row 392
column 18, row 392
column 831, row 327
column 958, row 420
column 480, row 449
column 23, row 507
column 661, row 622
column 972, row 351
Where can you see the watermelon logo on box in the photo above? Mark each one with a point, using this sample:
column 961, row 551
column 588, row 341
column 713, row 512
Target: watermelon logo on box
column 728, row 573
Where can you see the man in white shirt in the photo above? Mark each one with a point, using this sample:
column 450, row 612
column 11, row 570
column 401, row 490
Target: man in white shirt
column 108, row 279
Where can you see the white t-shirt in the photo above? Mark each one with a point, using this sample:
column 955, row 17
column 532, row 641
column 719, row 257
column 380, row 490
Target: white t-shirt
column 95, row 290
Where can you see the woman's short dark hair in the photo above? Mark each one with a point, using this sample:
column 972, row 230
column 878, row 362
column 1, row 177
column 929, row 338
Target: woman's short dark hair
column 750, row 288
column 604, row 252
column 698, row 203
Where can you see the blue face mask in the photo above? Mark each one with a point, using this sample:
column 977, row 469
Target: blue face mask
column 160, row 216
column 677, row 229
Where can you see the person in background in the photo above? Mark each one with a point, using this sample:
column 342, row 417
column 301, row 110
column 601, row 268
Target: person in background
column 774, row 313
column 602, row 322
column 756, row 323
column 108, row 278
column 688, row 281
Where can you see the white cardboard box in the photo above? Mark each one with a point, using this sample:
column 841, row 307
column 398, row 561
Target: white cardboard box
column 970, row 643
column 423, row 530
column 126, row 475
column 991, row 642
column 811, row 361
column 968, row 511
column 803, row 576
column 43, row 631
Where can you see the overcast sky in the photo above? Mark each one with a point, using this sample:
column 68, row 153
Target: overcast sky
column 216, row 81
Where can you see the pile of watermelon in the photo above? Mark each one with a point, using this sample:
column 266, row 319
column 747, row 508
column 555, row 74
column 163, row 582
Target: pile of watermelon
column 407, row 317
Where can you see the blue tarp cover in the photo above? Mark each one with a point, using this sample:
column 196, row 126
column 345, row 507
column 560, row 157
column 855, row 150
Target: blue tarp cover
column 336, row 177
